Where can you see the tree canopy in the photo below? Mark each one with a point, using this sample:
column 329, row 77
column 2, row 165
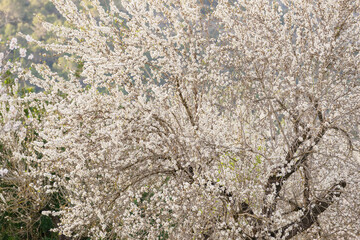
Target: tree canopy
column 188, row 120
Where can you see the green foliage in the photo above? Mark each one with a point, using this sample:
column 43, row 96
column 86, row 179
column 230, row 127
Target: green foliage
column 79, row 69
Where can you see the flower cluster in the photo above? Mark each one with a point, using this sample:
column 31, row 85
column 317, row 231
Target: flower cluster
column 3, row 172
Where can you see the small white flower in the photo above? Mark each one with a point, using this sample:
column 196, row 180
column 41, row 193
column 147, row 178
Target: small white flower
column 22, row 52
column 7, row 127
column 46, row 213
column 13, row 44
column 3, row 171
column 17, row 124
column 29, row 38
column 31, row 56
column 13, row 111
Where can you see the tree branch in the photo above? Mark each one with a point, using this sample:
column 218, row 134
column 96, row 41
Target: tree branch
column 312, row 211
column 277, row 179
column 184, row 103
column 306, row 192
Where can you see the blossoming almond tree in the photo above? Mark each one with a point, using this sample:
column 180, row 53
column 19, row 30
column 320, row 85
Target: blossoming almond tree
column 203, row 120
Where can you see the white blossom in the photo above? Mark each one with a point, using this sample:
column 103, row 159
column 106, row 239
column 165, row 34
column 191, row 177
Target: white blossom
column 3, row 172
column 13, row 44
column 22, row 52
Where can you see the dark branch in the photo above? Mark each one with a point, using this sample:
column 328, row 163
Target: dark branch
column 184, row 103
column 278, row 179
column 306, row 192
column 313, row 210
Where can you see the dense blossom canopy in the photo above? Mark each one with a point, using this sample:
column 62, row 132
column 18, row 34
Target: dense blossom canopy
column 196, row 120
